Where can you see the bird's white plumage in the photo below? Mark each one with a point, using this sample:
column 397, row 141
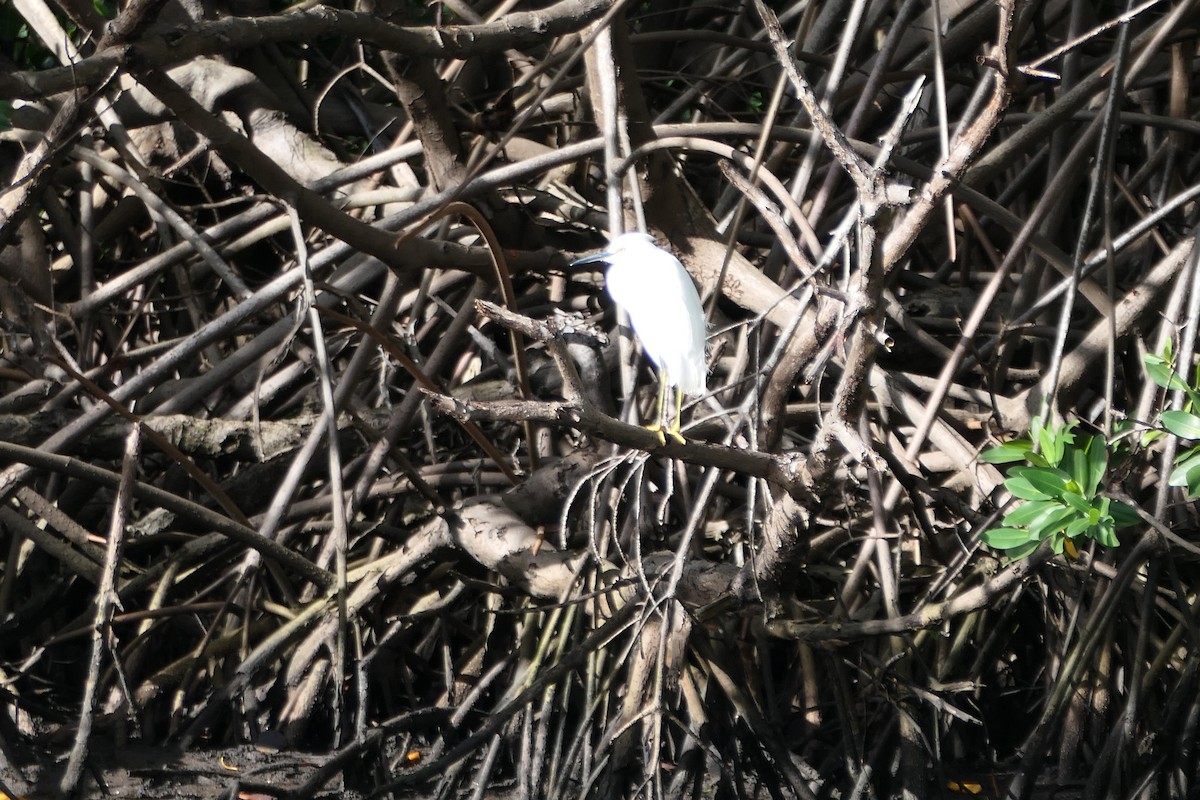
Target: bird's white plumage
column 663, row 307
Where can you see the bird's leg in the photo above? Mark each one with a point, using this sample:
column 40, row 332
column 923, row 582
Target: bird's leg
column 657, row 426
column 663, row 425
column 673, row 429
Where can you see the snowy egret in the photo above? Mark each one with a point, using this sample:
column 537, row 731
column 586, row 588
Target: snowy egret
column 664, row 309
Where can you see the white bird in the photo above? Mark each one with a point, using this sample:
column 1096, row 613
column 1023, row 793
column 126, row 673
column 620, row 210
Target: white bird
column 664, row 309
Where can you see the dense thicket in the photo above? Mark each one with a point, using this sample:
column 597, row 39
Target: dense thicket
column 321, row 465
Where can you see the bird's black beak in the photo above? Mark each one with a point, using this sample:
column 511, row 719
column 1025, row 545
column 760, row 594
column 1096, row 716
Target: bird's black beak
column 595, row 258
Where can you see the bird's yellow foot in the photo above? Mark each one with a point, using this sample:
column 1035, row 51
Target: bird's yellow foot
column 673, row 429
column 658, row 431
column 662, row 434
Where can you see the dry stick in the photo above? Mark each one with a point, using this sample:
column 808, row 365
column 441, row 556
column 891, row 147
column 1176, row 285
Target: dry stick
column 402, row 416
column 74, row 561
column 504, row 280
column 262, row 216
column 35, row 168
column 1066, row 682
column 748, row 187
column 943, row 122
column 61, row 521
column 231, row 34
column 365, row 584
column 158, row 207
column 929, row 616
column 866, row 178
column 899, row 193
column 160, row 441
column 312, row 207
column 571, row 661
column 362, row 366
column 851, row 30
column 164, row 366
column 1060, row 262
column 225, row 527
column 873, row 196
column 339, row 541
column 118, row 30
column 867, row 99
column 423, row 97
column 106, row 598
column 725, row 151
column 785, row 237
column 426, row 383
column 605, row 81
column 1100, row 176
column 154, row 373
column 865, row 305
column 470, row 181
column 1033, row 67
column 1042, row 125
column 285, row 489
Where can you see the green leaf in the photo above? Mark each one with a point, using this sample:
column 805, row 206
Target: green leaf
column 1027, row 513
column 1104, row 534
column 1162, row 372
column 1091, row 463
column 1053, row 522
column 1007, row 453
column 1020, row 551
column 1125, row 427
column 1077, row 502
column 1191, row 479
column 1181, row 423
column 1123, row 514
column 1076, row 527
column 1187, row 456
column 1035, row 428
column 1185, row 466
column 1045, row 482
column 1022, row 489
column 1051, row 446
column 1005, row 538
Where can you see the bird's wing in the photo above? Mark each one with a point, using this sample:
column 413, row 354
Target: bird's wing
column 632, row 293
